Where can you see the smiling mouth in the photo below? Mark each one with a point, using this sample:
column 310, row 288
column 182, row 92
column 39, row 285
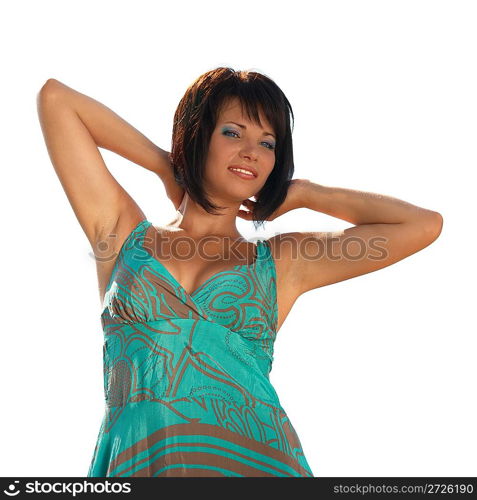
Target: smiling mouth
column 242, row 172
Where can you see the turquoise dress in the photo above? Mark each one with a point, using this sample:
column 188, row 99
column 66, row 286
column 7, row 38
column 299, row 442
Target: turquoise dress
column 186, row 376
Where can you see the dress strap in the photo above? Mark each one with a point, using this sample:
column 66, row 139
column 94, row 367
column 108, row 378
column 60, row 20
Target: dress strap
column 264, row 254
column 268, row 276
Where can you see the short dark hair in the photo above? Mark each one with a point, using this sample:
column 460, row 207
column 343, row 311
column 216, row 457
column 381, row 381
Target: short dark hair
column 196, row 117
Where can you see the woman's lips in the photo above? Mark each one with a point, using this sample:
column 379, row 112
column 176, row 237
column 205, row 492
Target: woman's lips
column 248, row 177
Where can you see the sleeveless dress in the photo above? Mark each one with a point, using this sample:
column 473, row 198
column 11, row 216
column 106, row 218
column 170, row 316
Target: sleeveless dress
column 186, row 376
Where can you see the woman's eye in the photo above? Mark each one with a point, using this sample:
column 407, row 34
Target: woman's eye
column 269, row 145
column 230, row 132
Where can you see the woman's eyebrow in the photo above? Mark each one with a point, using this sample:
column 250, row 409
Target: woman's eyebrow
column 244, row 127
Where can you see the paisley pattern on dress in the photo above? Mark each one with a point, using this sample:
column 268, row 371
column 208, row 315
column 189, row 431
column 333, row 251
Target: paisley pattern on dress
column 186, row 376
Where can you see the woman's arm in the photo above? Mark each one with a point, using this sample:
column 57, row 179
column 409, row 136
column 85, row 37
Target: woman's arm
column 74, row 126
column 96, row 197
column 110, row 131
column 362, row 207
column 387, row 230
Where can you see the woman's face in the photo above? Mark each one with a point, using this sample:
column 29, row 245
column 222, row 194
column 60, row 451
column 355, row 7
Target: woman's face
column 249, row 147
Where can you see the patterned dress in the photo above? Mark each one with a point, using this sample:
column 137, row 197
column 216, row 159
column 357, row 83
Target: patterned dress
column 186, row 376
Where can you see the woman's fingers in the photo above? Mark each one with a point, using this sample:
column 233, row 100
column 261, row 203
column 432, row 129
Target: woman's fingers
column 247, row 214
column 244, row 214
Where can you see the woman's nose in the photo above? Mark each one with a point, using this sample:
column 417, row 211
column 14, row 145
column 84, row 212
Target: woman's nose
column 249, row 151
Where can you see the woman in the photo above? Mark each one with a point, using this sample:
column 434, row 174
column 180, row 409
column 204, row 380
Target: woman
column 191, row 309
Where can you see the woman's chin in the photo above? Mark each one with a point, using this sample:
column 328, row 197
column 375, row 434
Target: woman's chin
column 230, row 195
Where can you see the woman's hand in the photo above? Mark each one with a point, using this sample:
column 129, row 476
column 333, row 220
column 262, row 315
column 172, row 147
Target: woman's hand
column 292, row 201
column 173, row 191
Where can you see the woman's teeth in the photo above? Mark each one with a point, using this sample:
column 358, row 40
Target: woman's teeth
column 246, row 172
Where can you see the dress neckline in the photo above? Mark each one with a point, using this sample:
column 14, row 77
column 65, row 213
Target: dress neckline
column 199, row 288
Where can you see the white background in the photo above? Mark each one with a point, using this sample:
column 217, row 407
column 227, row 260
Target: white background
column 376, row 373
